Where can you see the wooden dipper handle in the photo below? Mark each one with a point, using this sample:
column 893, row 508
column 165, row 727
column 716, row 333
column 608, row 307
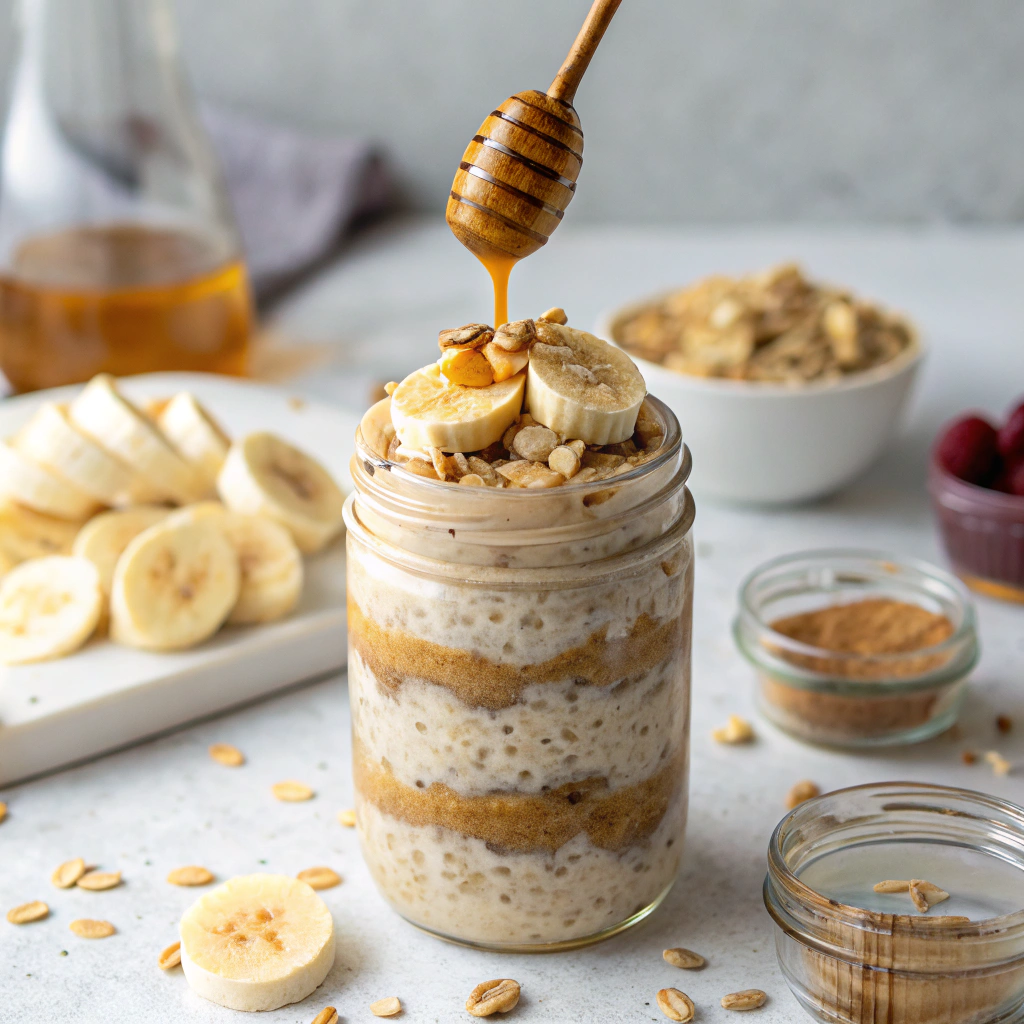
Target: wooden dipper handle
column 575, row 65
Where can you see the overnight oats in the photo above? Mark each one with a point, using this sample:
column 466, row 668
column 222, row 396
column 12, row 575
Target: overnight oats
column 520, row 601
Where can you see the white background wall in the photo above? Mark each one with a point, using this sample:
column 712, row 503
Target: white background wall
column 695, row 110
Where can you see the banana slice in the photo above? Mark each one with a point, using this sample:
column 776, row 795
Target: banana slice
column 7, row 562
column 196, row 435
column 265, row 476
column 174, row 586
column 582, row 387
column 103, row 539
column 27, row 534
column 376, row 429
column 429, row 412
column 272, row 572
column 39, row 488
column 257, row 942
column 200, row 510
column 107, row 417
column 49, row 607
column 50, row 440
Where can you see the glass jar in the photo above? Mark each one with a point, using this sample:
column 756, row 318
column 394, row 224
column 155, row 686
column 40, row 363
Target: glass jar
column 854, row 956
column 519, row 674
column 853, row 699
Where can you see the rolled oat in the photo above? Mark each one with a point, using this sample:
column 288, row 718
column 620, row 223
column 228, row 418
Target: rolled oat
column 319, row 877
column 291, row 791
column 28, row 912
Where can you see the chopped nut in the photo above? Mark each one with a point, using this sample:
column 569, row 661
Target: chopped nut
column 969, row 757
column 472, row 480
column 482, row 469
column 459, row 464
column 504, row 364
column 421, row 468
column 328, row 1015
column 226, row 754
column 193, row 874
column 738, row 730
column 926, row 894
column 802, row 791
column 685, row 958
column 473, row 335
column 748, row 999
column 919, row 898
column 554, row 315
column 535, row 443
column 87, row 928
column 466, row 366
column 515, row 336
column 892, row 885
column 676, row 1005
column 319, row 878
column 565, row 461
column 602, row 460
column 347, row 818
column 498, row 996
column 291, row 792
column 386, row 1007
column 170, row 957
column 530, row 474
column 999, row 764
column 444, row 469
column 68, row 873
column 28, row 912
column 99, row 880
column 1004, row 723
column 579, row 447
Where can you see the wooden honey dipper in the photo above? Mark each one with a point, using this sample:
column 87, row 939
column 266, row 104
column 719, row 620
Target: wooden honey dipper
column 519, row 173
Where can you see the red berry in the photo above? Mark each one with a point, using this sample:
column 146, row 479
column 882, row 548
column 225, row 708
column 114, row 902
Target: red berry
column 1014, row 474
column 1011, row 435
column 968, row 450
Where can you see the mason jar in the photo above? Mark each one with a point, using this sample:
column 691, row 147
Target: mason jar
column 519, row 675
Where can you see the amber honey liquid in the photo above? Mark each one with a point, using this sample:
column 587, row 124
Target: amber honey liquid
column 499, row 269
column 121, row 300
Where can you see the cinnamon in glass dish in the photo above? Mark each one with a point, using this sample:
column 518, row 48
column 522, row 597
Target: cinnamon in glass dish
column 855, row 648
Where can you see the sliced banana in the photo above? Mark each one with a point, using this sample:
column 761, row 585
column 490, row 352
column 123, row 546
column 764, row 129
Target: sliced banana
column 49, row 607
column 174, row 586
column 7, row 562
column 27, row 534
column 271, row 564
column 582, row 387
column 103, row 539
column 27, row 483
column 266, row 476
column 429, row 412
column 200, row 510
column 257, row 942
column 196, row 435
column 105, row 415
column 376, row 429
column 50, row 440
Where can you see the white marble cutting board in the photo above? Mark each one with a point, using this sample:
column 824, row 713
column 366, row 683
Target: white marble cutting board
column 107, row 696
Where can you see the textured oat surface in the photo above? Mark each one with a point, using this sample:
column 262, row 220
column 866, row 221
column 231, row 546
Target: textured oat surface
column 167, row 803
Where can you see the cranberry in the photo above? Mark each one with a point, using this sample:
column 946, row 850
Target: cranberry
column 968, row 450
column 1011, row 479
column 1011, row 435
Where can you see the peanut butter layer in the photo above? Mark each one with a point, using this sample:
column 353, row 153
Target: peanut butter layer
column 393, row 656
column 530, row 822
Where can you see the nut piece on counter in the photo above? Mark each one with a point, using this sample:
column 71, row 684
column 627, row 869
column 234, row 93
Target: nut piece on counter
column 170, row 957
column 190, row 875
column 676, row 1005
column 737, row 730
column 748, row 999
column 292, row 792
column 389, row 1007
column 87, row 928
column 347, row 818
column 684, row 958
column 97, row 881
column 802, row 791
column 497, row 996
column 319, row 877
column 554, row 315
column 227, row 755
column 28, row 912
column 68, row 873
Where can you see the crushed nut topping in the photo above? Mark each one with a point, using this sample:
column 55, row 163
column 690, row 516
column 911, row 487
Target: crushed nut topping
column 498, row 996
column 924, row 894
column 892, row 885
column 737, row 730
column 28, row 912
column 748, row 999
column 515, row 336
column 292, row 792
column 676, row 1005
column 473, row 335
column 684, row 958
column 554, row 315
column 226, row 754
column 801, row 792
column 771, row 326
column 170, row 957
column 386, row 1007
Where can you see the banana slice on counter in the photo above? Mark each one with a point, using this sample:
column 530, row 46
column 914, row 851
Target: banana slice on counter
column 257, row 942
column 103, row 539
column 36, row 487
column 50, row 440
column 106, row 416
column 174, row 586
column 429, row 412
column 27, row 534
column 266, row 476
column 49, row 607
column 582, row 387
column 200, row 510
column 196, row 435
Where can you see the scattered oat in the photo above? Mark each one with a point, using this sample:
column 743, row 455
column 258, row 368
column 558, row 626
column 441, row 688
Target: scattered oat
column 347, row 818
column 969, row 757
column 685, row 958
column 86, row 928
column 925, row 894
column 387, row 1007
column 170, row 957
column 292, row 792
column 738, row 730
column 748, row 999
column 192, row 874
column 801, row 792
column 3, row 810
column 96, row 881
column 226, row 754
column 498, row 996
column 319, row 878
column 1004, row 723
column 1000, row 766
column 328, row 1015
column 28, row 912
column 676, row 1005
column 892, row 885
column 68, row 873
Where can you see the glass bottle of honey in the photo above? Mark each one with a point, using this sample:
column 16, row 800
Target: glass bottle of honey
column 118, row 250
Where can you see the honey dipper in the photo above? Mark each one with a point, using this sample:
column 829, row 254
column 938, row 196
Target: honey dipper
column 519, row 173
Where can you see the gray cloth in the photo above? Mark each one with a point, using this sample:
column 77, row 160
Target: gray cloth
column 294, row 195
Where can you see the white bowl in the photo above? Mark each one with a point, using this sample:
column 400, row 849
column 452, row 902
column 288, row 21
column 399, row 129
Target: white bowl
column 776, row 443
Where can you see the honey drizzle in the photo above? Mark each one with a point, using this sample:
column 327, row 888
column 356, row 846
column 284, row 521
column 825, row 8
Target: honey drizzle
column 499, row 268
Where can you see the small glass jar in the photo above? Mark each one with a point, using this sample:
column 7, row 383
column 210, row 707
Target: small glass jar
column 519, row 674
column 847, row 699
column 854, row 956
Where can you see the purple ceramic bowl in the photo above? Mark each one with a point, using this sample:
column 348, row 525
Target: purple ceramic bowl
column 983, row 533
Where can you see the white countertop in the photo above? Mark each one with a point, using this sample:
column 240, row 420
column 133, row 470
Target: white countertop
column 165, row 804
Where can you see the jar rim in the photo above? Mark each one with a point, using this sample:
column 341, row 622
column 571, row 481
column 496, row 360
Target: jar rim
column 951, row 658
